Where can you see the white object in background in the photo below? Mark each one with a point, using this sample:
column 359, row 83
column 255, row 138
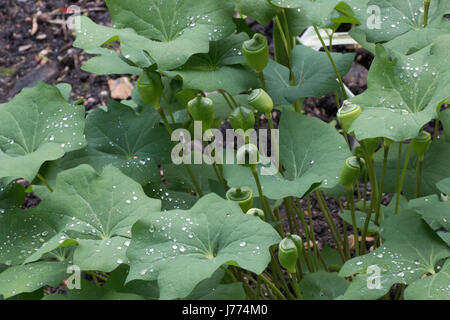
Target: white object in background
column 309, row 38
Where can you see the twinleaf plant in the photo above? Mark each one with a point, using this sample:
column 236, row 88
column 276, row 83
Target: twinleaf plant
column 128, row 212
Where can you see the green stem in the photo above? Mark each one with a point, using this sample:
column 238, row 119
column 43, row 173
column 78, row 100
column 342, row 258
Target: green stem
column 427, row 10
column 402, row 179
column 232, row 99
column 312, row 232
column 274, row 289
column 329, row 219
column 227, row 100
column 169, row 108
column 264, row 204
column 354, row 226
column 419, row 176
column 345, row 232
column 44, row 182
column 341, row 82
column 436, row 129
column 383, row 178
column 187, row 166
column 399, row 165
column 295, row 286
column 263, row 81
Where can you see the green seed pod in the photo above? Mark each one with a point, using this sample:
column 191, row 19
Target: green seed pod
column 248, row 155
column 288, row 254
column 256, row 52
column 202, row 109
column 243, row 196
column 347, row 114
column 298, row 242
column 242, row 118
column 421, row 143
column 371, row 145
column 256, row 212
column 150, row 88
column 350, row 172
column 260, row 100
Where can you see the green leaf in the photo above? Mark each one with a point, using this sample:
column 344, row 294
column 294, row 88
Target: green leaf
column 435, row 287
column 360, row 220
column 112, row 289
column 444, row 186
column 310, row 83
column 219, row 69
column 100, row 210
column 155, row 31
column 403, row 94
column 171, row 199
column 259, row 10
column 36, row 126
column 213, row 289
column 401, row 23
column 30, row 277
column 12, row 196
column 109, row 62
column 318, row 12
column 134, row 143
column 410, row 250
column 22, row 233
column 322, row 286
column 197, row 242
column 312, row 152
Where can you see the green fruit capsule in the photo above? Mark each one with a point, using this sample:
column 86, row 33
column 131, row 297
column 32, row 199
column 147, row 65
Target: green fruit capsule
column 256, row 212
column 288, row 254
column 242, row 118
column 202, row 109
column 243, row 196
column 350, row 172
column 256, row 52
column 298, row 242
column 150, row 88
column 260, row 100
column 421, row 143
column 248, row 155
column 347, row 114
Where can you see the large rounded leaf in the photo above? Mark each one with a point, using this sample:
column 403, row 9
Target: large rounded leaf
column 182, row 248
column 410, row 251
column 134, row 143
column 220, row 68
column 310, row 83
column 404, row 92
column 435, row 287
column 169, row 31
column 30, row 277
column 36, row 126
column 400, row 23
column 99, row 210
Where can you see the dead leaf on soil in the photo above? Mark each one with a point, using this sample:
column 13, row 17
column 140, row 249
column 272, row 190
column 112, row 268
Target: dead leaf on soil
column 121, row 88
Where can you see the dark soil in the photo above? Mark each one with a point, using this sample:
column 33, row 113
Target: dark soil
column 35, row 45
